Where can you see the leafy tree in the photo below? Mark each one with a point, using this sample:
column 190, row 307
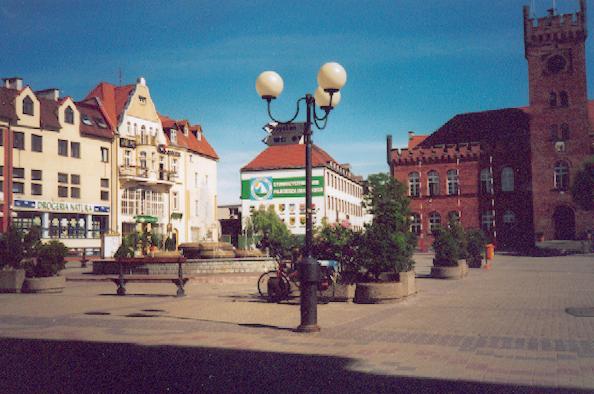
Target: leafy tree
column 275, row 234
column 582, row 189
column 459, row 235
column 12, row 249
column 335, row 242
column 476, row 241
column 387, row 244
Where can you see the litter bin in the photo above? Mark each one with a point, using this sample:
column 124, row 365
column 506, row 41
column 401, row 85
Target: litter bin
column 490, row 249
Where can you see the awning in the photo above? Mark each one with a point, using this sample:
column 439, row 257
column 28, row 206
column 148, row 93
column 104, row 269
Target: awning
column 146, row 219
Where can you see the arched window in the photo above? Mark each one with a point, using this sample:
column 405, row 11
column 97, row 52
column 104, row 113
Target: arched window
column 564, row 99
column 509, row 217
column 564, row 132
column 415, row 223
column 414, row 184
column 561, row 176
column 487, row 221
column 452, row 182
column 553, row 99
column 486, row 181
column 507, row 179
column 433, row 183
column 69, row 115
column 28, row 106
column 143, row 159
column 434, row 221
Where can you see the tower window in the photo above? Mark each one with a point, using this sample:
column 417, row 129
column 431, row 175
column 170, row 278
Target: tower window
column 554, row 132
column 556, row 63
column 414, row 184
column 561, row 176
column 553, row 99
column 564, row 99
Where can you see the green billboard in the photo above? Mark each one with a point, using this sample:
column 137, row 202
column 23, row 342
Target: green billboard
column 266, row 188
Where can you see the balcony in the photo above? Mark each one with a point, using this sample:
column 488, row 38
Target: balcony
column 146, row 175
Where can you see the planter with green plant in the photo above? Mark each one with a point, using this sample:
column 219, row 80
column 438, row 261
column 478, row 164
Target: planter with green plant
column 446, row 264
column 42, row 272
column 384, row 251
column 16, row 249
column 476, row 241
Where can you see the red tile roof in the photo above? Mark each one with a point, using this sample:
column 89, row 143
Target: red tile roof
column 7, row 107
column 113, row 98
column 416, row 140
column 91, row 107
column 278, row 157
column 190, row 141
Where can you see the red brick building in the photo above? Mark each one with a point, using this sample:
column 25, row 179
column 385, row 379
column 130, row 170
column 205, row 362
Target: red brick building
column 508, row 171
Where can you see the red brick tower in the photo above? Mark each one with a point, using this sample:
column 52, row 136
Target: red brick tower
column 559, row 126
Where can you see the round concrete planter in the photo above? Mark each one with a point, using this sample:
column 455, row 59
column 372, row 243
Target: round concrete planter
column 446, row 272
column 378, row 292
column 343, row 293
column 11, row 281
column 50, row 284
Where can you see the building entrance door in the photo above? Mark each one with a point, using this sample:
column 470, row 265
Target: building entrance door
column 564, row 221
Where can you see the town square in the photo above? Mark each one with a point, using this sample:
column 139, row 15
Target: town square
column 339, row 197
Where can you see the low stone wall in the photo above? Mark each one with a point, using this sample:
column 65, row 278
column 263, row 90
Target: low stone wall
column 193, row 267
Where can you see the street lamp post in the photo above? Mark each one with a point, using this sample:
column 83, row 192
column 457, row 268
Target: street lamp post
column 269, row 85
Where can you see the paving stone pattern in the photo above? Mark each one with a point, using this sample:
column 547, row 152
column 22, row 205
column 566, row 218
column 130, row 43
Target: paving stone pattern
column 507, row 325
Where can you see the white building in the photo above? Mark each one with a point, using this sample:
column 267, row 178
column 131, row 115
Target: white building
column 276, row 177
column 155, row 161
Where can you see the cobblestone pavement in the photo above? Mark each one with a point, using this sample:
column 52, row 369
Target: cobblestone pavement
column 500, row 329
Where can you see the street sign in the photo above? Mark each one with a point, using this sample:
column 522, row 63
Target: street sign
column 284, row 133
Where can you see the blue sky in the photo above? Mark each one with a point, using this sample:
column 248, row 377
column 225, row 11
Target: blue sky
column 411, row 64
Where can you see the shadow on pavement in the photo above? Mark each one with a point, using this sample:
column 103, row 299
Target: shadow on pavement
column 73, row 366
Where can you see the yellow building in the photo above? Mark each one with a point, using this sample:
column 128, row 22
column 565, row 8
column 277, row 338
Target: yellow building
column 61, row 163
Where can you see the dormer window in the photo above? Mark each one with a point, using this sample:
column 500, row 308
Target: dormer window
column 69, row 116
column 28, row 106
column 86, row 120
column 101, row 123
column 173, row 136
column 186, row 130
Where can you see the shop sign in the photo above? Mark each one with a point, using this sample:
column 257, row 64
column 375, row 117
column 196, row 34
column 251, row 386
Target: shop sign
column 54, row 206
column 127, row 143
column 266, row 188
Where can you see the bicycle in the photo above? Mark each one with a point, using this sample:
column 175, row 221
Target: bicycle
column 277, row 285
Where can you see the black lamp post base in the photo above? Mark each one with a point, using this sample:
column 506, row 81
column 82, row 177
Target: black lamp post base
column 308, row 328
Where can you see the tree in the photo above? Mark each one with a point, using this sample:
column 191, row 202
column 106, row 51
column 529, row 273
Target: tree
column 335, row 242
column 387, row 244
column 278, row 238
column 12, row 249
column 582, row 189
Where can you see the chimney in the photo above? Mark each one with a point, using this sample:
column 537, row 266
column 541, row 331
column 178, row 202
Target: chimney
column 51, row 94
column 13, row 83
column 411, row 134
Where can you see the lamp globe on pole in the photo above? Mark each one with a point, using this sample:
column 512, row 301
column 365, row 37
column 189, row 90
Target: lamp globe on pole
column 269, row 85
column 326, row 100
column 332, row 77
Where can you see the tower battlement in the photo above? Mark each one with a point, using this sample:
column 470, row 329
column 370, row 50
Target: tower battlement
column 555, row 28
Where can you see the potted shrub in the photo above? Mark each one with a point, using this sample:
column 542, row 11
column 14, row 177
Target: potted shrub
column 384, row 251
column 338, row 243
column 42, row 271
column 12, row 251
column 447, row 253
column 475, row 245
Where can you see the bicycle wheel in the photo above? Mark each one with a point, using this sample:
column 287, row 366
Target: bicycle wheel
column 263, row 282
column 282, row 287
